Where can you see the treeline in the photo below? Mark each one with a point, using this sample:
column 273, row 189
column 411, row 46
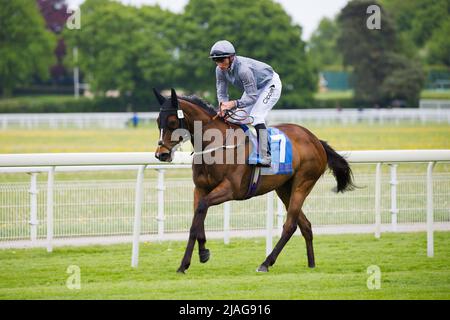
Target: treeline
column 132, row 50
column 390, row 63
column 26, row 46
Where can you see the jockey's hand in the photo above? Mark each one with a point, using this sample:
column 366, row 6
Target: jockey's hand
column 227, row 105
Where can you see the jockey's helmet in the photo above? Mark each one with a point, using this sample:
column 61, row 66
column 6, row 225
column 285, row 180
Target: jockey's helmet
column 222, row 49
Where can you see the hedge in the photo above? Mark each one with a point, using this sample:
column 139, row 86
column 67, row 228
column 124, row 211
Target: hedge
column 57, row 104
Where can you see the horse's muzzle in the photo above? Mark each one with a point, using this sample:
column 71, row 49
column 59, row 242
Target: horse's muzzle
column 163, row 156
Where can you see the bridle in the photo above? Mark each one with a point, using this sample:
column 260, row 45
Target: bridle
column 167, row 111
column 164, row 113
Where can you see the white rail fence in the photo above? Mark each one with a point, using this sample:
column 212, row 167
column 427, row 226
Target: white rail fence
column 154, row 208
column 434, row 104
column 122, row 119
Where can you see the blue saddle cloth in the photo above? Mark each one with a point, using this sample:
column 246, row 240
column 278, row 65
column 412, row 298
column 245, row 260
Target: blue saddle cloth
column 280, row 149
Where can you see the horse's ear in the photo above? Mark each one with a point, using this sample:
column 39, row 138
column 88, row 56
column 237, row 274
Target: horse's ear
column 158, row 96
column 174, row 99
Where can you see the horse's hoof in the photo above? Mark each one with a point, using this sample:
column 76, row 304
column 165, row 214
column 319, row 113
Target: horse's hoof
column 262, row 268
column 204, row 255
column 181, row 270
column 312, row 266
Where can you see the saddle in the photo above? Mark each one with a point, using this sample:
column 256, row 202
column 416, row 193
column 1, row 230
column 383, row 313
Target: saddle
column 280, row 148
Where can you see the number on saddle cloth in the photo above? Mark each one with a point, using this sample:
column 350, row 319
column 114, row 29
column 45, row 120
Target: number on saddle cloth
column 280, row 148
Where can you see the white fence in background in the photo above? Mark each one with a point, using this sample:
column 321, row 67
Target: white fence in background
column 61, row 212
column 434, row 104
column 123, row 119
column 369, row 116
column 106, row 120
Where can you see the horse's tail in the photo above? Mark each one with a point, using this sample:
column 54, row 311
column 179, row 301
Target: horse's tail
column 341, row 169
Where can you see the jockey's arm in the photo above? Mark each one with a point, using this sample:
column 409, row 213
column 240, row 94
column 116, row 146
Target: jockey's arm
column 250, row 94
column 222, row 86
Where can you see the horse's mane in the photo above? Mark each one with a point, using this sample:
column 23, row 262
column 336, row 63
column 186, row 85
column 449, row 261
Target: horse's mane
column 201, row 103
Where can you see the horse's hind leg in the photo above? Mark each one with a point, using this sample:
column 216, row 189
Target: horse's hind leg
column 305, row 228
column 297, row 197
column 289, row 228
column 285, row 193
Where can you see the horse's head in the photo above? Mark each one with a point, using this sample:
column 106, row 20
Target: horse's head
column 172, row 127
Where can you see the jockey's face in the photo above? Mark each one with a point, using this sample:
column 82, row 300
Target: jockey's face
column 225, row 63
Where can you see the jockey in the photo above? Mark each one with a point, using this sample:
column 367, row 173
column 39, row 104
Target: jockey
column 260, row 84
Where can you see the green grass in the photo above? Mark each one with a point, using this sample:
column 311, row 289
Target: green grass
column 385, row 137
column 331, row 95
column 342, row 261
column 48, row 140
column 436, row 94
column 144, row 139
column 341, row 272
column 348, row 137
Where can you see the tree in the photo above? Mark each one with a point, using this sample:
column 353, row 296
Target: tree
column 124, row 48
column 417, row 21
column 259, row 29
column 134, row 49
column 364, row 49
column 26, row 46
column 375, row 55
column 404, row 80
column 439, row 45
column 323, row 44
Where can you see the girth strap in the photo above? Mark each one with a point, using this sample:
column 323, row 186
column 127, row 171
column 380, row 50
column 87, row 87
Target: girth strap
column 254, row 180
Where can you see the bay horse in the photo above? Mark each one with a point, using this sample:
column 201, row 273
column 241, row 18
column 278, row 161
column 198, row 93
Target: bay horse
column 221, row 182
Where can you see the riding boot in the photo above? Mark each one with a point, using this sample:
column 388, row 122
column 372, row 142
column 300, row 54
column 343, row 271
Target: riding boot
column 263, row 147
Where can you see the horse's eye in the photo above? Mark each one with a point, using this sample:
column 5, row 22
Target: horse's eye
column 172, row 124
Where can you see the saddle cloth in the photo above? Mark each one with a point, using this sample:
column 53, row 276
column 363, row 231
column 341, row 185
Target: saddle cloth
column 280, row 148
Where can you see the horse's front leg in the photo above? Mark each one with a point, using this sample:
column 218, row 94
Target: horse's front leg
column 218, row 195
column 199, row 194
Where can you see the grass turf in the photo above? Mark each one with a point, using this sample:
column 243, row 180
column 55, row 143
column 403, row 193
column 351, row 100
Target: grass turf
column 341, row 272
column 144, row 139
column 342, row 261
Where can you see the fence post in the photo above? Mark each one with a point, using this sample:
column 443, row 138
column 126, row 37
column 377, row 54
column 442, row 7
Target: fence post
column 394, row 209
column 430, row 239
column 160, row 218
column 33, row 207
column 269, row 223
column 137, row 216
column 226, row 222
column 378, row 201
column 50, row 204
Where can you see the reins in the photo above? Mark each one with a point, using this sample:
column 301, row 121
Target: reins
column 229, row 114
column 233, row 115
column 234, row 146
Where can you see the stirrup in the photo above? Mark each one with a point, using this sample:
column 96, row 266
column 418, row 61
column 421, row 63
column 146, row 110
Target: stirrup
column 266, row 162
column 264, row 165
